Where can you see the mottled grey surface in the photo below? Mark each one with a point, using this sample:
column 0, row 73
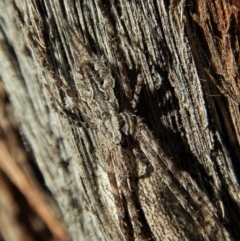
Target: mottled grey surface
column 160, row 160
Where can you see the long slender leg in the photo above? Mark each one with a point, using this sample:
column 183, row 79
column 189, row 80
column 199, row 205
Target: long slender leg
column 60, row 110
column 82, row 106
column 125, row 187
column 116, row 191
column 138, row 88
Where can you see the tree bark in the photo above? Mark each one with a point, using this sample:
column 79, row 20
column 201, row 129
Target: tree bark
column 131, row 109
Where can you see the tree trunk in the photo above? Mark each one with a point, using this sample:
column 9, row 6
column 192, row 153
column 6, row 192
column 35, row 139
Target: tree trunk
column 131, row 109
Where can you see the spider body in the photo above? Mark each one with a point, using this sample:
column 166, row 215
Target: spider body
column 97, row 101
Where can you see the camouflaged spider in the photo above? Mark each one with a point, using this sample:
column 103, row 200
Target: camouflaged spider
column 97, row 102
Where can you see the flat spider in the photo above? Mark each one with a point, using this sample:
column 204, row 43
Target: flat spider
column 96, row 100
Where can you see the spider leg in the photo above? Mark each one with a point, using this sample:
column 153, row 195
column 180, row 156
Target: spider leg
column 144, row 166
column 58, row 108
column 126, row 188
column 82, row 106
column 116, row 192
column 121, row 186
column 138, row 88
column 78, row 45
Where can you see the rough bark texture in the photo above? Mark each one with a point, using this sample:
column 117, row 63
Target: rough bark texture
column 26, row 211
column 155, row 85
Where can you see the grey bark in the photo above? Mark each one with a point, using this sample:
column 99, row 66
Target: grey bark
column 187, row 56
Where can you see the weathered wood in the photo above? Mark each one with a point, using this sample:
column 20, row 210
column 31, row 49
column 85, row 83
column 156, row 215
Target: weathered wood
column 156, row 87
